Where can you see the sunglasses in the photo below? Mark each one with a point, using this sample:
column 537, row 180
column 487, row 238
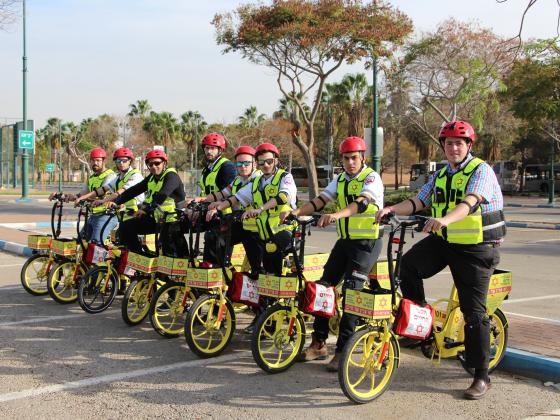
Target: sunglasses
column 265, row 161
column 243, row 163
column 122, row 160
column 153, row 163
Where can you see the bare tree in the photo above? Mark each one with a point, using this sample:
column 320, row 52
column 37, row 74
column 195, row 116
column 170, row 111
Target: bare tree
column 8, row 12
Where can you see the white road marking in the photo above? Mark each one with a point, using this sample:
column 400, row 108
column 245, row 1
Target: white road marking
column 43, row 319
column 530, row 299
column 553, row 321
column 29, row 393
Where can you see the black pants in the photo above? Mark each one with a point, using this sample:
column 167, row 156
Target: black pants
column 171, row 236
column 263, row 261
column 351, row 261
column 471, row 267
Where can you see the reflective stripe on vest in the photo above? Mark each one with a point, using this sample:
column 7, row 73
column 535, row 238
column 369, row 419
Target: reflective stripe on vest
column 95, row 181
column 360, row 225
column 153, row 187
column 208, row 181
column 130, row 205
column 248, row 224
column 268, row 222
column 475, row 228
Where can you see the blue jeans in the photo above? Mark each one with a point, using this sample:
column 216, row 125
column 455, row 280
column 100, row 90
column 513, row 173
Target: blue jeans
column 95, row 223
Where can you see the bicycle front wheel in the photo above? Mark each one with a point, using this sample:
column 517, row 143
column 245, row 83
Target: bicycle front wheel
column 34, row 274
column 97, row 289
column 63, row 280
column 498, row 342
column 367, row 366
column 136, row 301
column 278, row 339
column 168, row 311
column 209, row 326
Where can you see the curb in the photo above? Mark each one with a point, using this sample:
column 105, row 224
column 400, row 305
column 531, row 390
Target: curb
column 15, row 248
column 546, row 226
column 17, row 225
column 533, row 206
column 531, row 365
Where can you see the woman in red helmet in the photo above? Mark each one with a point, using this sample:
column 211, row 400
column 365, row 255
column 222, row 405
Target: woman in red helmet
column 466, row 228
column 245, row 232
column 127, row 177
column 164, row 188
column 95, row 187
column 358, row 192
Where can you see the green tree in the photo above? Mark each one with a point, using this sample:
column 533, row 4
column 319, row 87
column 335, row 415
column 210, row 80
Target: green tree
column 304, row 42
column 353, row 95
column 140, row 109
column 192, row 128
column 251, row 118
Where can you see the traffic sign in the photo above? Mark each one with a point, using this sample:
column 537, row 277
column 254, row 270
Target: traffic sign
column 26, row 139
column 50, row 167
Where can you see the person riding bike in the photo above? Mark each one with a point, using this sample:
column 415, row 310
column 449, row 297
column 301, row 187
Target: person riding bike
column 218, row 173
column 127, row 177
column 95, row 187
column 163, row 188
column 244, row 232
column 466, row 229
column 358, row 193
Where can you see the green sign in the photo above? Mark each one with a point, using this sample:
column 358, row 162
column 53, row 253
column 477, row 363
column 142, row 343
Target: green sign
column 50, row 167
column 26, row 139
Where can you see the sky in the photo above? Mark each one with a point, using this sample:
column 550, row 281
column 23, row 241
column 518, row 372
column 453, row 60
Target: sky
column 89, row 57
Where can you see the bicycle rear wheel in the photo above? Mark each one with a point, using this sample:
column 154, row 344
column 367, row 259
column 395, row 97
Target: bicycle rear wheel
column 63, row 279
column 97, row 289
column 498, row 342
column 209, row 326
column 34, row 274
column 136, row 301
column 367, row 365
column 278, row 339
column 167, row 311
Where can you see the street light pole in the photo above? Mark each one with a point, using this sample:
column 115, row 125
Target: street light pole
column 59, row 155
column 24, row 155
column 376, row 159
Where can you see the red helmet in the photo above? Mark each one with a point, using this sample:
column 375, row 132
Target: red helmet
column 97, row 153
column 244, row 150
column 352, row 144
column 123, row 152
column 214, row 139
column 156, row 153
column 457, row 129
column 267, row 147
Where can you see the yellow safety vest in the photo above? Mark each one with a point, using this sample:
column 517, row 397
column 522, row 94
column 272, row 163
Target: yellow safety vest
column 153, row 187
column 360, row 225
column 448, row 192
column 130, row 205
column 95, row 181
column 248, row 224
column 268, row 222
column 208, row 181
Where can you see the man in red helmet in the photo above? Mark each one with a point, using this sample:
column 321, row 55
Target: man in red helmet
column 466, row 229
column 247, row 231
column 164, row 188
column 358, row 192
column 95, row 187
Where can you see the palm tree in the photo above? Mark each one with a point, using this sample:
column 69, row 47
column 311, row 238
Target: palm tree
column 140, row 109
column 354, row 94
column 251, row 118
column 192, row 128
column 162, row 127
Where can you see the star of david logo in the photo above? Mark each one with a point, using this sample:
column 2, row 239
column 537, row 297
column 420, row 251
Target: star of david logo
column 359, row 300
column 251, row 294
column 196, row 275
column 459, row 182
column 495, row 281
column 383, row 302
column 419, row 328
column 181, row 264
column 325, row 304
column 288, row 284
column 354, row 187
column 315, row 260
column 214, row 275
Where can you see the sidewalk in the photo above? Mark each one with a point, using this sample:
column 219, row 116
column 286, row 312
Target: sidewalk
column 533, row 346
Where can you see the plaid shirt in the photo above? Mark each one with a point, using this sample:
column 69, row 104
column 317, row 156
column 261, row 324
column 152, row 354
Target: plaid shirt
column 482, row 182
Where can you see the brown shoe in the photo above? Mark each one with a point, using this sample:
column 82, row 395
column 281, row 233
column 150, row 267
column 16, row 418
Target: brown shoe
column 477, row 390
column 317, row 350
column 332, row 366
